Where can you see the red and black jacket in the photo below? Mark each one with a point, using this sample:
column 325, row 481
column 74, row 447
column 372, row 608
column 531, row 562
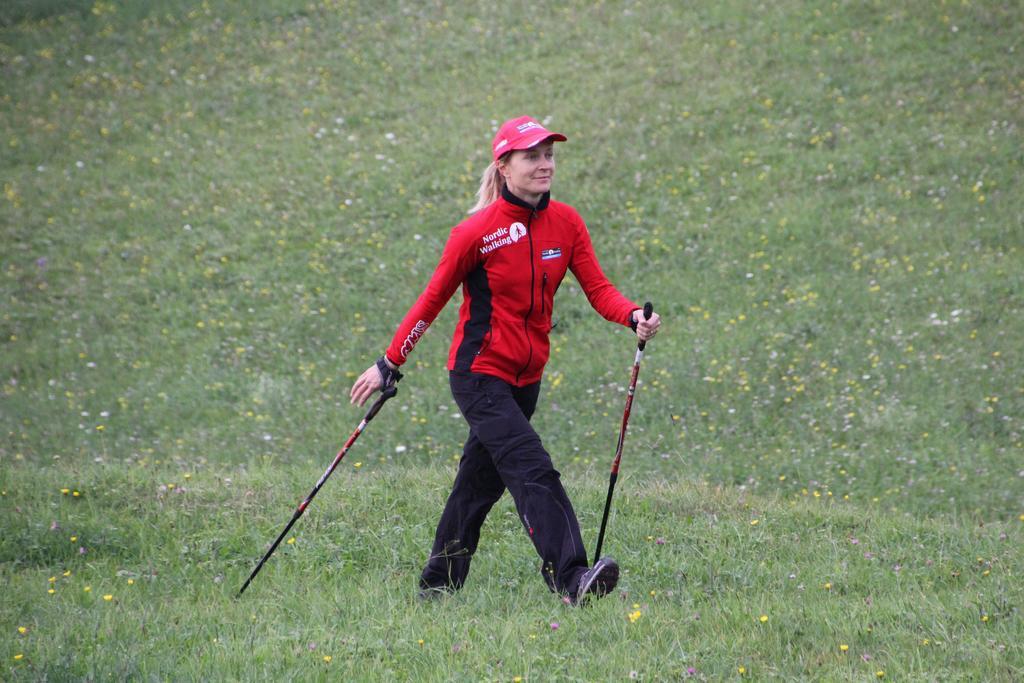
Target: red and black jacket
column 510, row 259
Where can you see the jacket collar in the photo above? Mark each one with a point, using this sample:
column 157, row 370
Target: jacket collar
column 519, row 203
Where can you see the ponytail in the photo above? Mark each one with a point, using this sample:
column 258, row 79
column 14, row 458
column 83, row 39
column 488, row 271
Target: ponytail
column 491, row 183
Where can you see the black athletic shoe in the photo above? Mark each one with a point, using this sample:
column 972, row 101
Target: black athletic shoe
column 429, row 593
column 598, row 581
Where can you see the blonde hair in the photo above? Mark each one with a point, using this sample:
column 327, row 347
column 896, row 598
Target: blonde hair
column 491, row 183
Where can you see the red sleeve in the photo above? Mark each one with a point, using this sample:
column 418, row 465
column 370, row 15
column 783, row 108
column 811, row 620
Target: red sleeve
column 457, row 260
column 601, row 293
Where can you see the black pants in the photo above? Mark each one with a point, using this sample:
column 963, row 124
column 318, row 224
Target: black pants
column 503, row 451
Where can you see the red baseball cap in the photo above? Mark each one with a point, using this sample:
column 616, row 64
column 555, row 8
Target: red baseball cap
column 521, row 133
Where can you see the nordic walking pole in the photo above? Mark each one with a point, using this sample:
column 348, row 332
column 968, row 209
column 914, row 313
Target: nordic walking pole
column 388, row 392
column 648, row 310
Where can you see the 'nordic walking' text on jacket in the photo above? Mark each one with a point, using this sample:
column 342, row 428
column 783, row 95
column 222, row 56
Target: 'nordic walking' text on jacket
column 510, row 259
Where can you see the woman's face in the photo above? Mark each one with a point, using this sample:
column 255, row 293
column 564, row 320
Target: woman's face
column 528, row 172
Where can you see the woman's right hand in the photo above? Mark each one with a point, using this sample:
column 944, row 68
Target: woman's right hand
column 365, row 385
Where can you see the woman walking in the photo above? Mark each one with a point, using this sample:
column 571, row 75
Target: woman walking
column 509, row 257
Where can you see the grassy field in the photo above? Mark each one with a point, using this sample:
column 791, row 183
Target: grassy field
column 214, row 215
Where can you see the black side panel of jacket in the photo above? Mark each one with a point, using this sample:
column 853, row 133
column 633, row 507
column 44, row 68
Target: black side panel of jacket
column 479, row 322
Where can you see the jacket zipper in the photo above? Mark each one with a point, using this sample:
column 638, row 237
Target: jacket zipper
column 486, row 342
column 533, row 281
column 543, row 294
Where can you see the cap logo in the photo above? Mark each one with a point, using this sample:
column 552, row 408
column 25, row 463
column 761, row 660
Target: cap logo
column 529, row 125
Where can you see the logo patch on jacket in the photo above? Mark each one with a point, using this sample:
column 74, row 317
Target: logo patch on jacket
column 516, row 231
column 547, row 254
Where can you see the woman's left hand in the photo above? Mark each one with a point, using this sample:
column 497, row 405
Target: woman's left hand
column 646, row 329
column 367, row 383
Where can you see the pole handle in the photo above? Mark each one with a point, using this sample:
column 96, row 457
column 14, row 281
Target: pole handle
column 648, row 310
column 386, row 393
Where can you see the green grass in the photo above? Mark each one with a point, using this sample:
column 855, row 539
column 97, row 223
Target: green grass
column 703, row 565
column 214, row 216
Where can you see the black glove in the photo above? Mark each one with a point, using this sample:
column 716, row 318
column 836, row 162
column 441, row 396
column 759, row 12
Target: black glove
column 387, row 375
